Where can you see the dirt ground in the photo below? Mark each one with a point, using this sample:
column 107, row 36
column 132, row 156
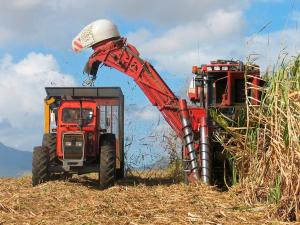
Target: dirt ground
column 131, row 201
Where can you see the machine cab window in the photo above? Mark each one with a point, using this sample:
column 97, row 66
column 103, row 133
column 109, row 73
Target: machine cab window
column 72, row 115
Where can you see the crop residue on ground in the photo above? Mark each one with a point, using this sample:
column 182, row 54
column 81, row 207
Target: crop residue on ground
column 131, row 201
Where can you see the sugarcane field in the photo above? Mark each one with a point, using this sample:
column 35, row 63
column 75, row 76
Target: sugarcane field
column 149, row 112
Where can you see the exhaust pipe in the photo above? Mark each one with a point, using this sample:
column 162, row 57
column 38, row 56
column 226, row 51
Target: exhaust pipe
column 188, row 139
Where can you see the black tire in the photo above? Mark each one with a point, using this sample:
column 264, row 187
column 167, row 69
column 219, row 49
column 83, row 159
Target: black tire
column 221, row 170
column 40, row 159
column 49, row 141
column 107, row 167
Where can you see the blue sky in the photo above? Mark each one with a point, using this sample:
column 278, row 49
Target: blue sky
column 35, row 51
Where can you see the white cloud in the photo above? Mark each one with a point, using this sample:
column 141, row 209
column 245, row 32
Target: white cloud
column 25, row 4
column 218, row 26
column 194, row 42
column 54, row 23
column 148, row 113
column 171, row 13
column 142, row 113
column 220, row 35
column 274, row 47
column 296, row 16
column 21, row 97
column 5, row 35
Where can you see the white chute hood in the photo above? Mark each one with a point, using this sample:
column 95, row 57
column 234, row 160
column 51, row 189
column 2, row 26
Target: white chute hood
column 93, row 33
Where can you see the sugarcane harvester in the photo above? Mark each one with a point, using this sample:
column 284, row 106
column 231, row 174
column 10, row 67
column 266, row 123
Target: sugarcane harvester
column 219, row 85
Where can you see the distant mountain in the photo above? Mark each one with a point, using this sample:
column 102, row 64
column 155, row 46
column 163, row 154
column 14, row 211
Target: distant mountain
column 14, row 162
column 161, row 163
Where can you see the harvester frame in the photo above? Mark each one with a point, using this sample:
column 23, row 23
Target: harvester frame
column 214, row 87
column 192, row 123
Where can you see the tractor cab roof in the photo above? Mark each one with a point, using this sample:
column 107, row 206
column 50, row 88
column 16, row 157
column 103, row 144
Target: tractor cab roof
column 84, row 92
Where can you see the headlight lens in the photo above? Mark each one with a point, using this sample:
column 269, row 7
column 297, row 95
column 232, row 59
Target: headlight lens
column 68, row 143
column 78, row 144
column 224, row 67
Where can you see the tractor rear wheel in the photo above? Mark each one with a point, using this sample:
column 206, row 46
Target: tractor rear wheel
column 40, row 159
column 107, row 168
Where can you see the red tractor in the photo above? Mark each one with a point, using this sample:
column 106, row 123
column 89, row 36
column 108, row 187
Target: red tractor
column 219, row 85
column 83, row 134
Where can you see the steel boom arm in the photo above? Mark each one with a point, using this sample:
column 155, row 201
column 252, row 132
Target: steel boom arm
column 125, row 58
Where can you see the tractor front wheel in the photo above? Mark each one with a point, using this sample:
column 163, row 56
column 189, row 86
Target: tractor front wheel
column 49, row 141
column 107, row 168
column 40, row 159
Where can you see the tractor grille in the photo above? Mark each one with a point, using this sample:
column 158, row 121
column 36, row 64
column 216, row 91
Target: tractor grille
column 73, row 146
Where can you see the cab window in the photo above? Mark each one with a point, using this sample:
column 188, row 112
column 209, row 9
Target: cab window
column 72, row 115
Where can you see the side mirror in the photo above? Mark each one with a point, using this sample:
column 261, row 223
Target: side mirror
column 90, row 115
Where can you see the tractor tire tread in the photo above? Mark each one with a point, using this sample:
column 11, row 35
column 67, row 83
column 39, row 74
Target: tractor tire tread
column 107, row 168
column 40, row 159
column 49, row 141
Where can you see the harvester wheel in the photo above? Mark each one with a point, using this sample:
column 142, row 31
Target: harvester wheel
column 40, row 159
column 107, row 168
column 222, row 169
column 49, row 141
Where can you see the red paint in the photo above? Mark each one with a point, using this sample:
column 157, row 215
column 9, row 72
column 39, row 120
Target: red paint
column 92, row 127
column 73, row 127
column 194, row 69
column 77, row 44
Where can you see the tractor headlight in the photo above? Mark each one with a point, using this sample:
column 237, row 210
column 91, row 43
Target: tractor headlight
column 224, row 67
column 78, row 144
column 68, row 143
column 73, row 147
